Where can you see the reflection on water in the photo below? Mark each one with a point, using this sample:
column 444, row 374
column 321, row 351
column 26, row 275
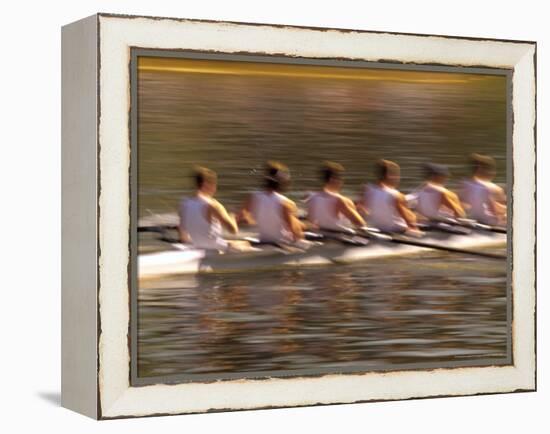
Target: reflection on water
column 369, row 315
column 390, row 312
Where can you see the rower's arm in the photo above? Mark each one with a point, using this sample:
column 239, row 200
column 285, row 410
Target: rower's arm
column 405, row 212
column 500, row 195
column 361, row 204
column 451, row 201
column 497, row 204
column 293, row 224
column 501, row 203
column 220, row 213
column 245, row 214
column 348, row 209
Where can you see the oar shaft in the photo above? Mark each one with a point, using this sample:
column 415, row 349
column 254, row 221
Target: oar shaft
column 411, row 242
column 473, row 225
column 365, row 233
column 492, row 228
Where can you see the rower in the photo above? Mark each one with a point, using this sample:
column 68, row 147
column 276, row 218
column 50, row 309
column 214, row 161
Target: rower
column 433, row 201
column 274, row 214
column 202, row 217
column 483, row 200
column 385, row 206
column 328, row 209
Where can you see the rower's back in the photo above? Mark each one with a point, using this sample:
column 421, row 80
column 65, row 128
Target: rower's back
column 267, row 210
column 322, row 210
column 429, row 199
column 477, row 195
column 205, row 232
column 382, row 208
column 479, row 192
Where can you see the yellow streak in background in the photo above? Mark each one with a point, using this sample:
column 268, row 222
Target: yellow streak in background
column 162, row 64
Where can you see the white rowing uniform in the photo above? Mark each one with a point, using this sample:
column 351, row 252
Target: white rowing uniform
column 322, row 210
column 381, row 204
column 204, row 234
column 267, row 210
column 429, row 200
column 478, row 195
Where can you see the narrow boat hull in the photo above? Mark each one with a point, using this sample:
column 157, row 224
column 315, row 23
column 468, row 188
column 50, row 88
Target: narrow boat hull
column 188, row 260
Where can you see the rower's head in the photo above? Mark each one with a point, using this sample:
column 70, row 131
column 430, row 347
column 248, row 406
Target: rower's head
column 206, row 180
column 388, row 172
column 436, row 173
column 483, row 166
column 277, row 176
column 332, row 175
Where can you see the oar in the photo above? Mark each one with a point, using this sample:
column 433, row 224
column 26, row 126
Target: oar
column 444, row 227
column 349, row 239
column 468, row 223
column 399, row 239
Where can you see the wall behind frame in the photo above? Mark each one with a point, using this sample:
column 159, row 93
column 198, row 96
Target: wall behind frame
column 79, row 217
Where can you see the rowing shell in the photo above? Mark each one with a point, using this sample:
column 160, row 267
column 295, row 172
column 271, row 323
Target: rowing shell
column 189, row 260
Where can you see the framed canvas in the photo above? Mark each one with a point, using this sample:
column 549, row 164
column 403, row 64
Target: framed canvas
column 261, row 216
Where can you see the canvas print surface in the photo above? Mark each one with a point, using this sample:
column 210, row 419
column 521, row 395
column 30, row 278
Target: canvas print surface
column 300, row 219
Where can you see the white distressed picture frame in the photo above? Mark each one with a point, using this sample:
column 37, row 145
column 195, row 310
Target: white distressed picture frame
column 96, row 215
